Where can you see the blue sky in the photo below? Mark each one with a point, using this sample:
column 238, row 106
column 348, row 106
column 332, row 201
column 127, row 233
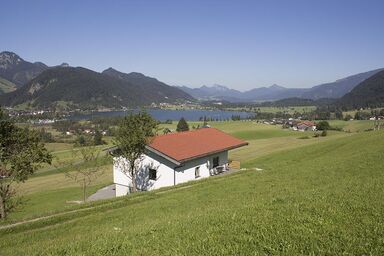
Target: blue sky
column 241, row 44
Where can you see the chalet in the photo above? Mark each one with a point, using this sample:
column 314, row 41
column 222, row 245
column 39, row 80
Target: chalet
column 175, row 158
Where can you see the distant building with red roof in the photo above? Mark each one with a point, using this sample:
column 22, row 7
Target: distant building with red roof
column 175, row 158
column 305, row 126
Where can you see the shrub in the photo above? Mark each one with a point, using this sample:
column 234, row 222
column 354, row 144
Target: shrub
column 323, row 125
column 324, row 133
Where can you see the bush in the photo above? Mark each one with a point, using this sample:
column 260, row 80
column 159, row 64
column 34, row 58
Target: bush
column 323, row 125
column 324, row 133
column 348, row 117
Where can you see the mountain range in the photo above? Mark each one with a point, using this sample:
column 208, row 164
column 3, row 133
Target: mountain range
column 37, row 85
column 334, row 89
column 76, row 87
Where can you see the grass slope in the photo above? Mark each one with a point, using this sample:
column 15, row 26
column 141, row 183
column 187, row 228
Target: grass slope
column 6, row 86
column 324, row 198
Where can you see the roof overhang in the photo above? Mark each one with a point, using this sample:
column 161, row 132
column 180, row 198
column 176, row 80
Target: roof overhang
column 181, row 161
column 163, row 155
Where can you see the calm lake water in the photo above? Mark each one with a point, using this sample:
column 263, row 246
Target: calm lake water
column 165, row 114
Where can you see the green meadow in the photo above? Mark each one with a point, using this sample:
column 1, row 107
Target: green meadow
column 297, row 196
column 50, row 191
column 353, row 126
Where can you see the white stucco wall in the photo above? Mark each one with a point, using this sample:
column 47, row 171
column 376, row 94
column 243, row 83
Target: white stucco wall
column 168, row 174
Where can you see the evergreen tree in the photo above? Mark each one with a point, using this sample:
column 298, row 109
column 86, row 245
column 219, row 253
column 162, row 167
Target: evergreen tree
column 182, row 126
column 98, row 138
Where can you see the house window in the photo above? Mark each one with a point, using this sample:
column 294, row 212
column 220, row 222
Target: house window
column 215, row 161
column 152, row 174
column 197, row 172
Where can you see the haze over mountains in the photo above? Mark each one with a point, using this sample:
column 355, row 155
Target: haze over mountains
column 335, row 89
column 37, row 85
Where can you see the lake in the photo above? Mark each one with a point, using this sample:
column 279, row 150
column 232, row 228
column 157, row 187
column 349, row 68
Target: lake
column 167, row 114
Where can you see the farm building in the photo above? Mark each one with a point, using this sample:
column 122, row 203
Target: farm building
column 175, row 158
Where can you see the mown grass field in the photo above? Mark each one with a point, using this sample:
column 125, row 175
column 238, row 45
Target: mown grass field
column 324, row 198
column 353, row 126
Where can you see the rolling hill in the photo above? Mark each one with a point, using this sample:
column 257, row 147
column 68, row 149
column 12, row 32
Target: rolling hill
column 68, row 87
column 369, row 93
column 338, row 88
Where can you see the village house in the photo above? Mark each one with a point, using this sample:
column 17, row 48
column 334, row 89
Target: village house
column 175, row 158
column 299, row 125
column 306, row 126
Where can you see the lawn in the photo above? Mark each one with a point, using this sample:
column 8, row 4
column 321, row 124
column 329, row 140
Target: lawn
column 50, row 193
column 323, row 198
column 353, row 126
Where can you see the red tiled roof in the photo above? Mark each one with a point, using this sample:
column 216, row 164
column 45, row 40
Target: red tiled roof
column 307, row 123
column 184, row 146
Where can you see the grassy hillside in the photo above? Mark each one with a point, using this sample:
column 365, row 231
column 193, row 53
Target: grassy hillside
column 368, row 94
column 325, row 198
column 6, row 86
column 353, row 126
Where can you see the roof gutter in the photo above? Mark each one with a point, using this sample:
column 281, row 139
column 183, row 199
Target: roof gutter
column 163, row 155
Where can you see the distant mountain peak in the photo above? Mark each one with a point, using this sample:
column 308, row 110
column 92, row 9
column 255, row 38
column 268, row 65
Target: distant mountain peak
column 220, row 87
column 110, row 69
column 18, row 71
column 276, row 86
column 8, row 59
column 113, row 72
column 216, row 87
column 136, row 74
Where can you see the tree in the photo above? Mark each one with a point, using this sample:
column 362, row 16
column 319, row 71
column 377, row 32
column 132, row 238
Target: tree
column 84, row 176
column 182, row 125
column 134, row 133
column 323, row 125
column 98, row 138
column 83, row 140
column 21, row 153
